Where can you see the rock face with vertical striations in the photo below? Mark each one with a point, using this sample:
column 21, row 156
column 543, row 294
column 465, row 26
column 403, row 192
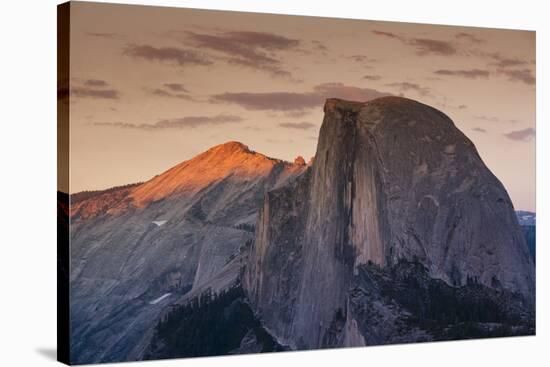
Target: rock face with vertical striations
column 393, row 181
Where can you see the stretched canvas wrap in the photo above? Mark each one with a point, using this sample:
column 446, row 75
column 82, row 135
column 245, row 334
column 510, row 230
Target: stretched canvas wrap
column 235, row 182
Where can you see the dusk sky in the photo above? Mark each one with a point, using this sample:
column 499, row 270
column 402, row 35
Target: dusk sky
column 154, row 86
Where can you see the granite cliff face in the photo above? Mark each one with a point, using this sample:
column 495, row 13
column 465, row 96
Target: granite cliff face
column 137, row 249
column 393, row 180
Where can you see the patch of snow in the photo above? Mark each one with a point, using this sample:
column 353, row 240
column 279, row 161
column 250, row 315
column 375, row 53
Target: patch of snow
column 155, row 301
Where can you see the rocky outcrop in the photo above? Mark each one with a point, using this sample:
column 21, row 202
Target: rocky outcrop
column 299, row 160
column 392, row 180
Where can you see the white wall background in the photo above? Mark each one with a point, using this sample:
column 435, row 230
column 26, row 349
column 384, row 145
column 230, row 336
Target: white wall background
column 28, row 182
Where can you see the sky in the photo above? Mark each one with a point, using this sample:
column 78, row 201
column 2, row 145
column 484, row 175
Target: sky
column 151, row 87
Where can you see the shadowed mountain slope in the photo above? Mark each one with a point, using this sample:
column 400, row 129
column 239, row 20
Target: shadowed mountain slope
column 171, row 234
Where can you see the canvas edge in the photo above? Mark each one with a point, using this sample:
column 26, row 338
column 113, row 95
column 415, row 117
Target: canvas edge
column 63, row 217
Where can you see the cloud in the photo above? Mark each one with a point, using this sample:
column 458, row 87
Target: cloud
column 519, row 75
column 426, row 46
column 372, row 77
column 319, row 46
column 176, row 87
column 487, row 118
column 164, row 93
column 468, row 37
column 294, row 101
column 102, row 35
column 407, row 86
column 188, row 122
column 361, row 59
column 175, row 55
column 342, row 91
column 387, row 34
column 445, row 105
column 469, row 73
column 296, row 113
column 494, row 119
column 297, row 125
column 255, row 50
column 82, row 92
column 91, row 88
column 96, row 83
column 521, row 135
column 276, row 101
column 423, row 46
column 171, row 90
column 264, row 40
column 479, row 129
column 506, row 62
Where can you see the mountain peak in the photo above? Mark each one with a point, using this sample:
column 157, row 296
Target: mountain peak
column 232, row 160
column 399, row 112
column 229, row 160
column 387, row 102
column 230, row 147
column 334, row 104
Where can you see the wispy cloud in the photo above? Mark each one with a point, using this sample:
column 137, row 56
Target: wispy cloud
column 94, row 93
column 479, row 130
column 519, row 75
column 102, row 34
column 164, row 93
column 426, row 46
column 171, row 90
column 487, row 118
column 188, row 122
column 319, row 46
column 297, row 125
column 469, row 37
column 92, row 88
column 501, row 61
column 521, row 135
column 255, row 50
column 495, row 119
column 96, row 83
column 362, row 59
column 178, row 56
column 372, row 77
column 293, row 101
column 275, row 101
column 342, row 91
column 387, row 34
column 408, row 86
column 423, row 46
column 176, row 87
column 465, row 73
